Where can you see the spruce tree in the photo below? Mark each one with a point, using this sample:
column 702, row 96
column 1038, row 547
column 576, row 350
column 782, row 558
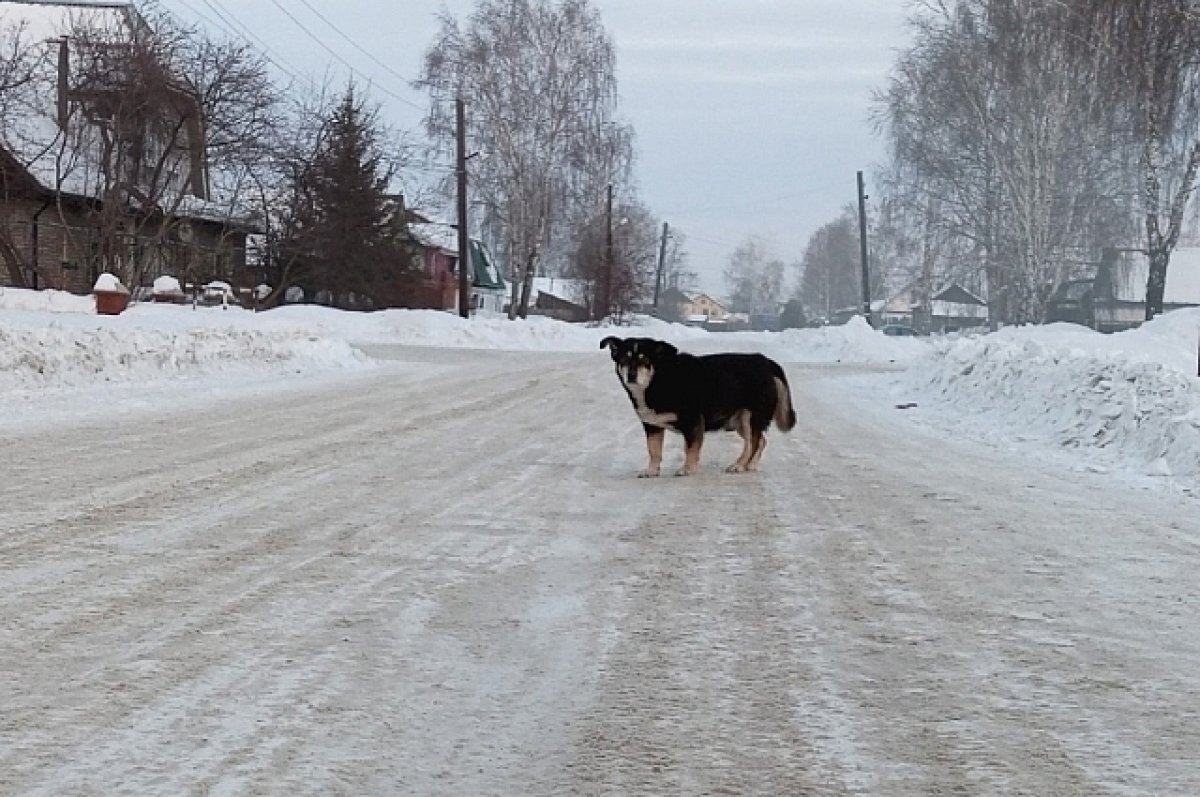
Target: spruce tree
column 349, row 237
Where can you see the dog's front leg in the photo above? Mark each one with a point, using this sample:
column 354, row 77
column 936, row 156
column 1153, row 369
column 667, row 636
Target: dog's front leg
column 654, row 445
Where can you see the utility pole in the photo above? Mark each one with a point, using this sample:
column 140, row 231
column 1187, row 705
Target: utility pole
column 608, row 255
column 464, row 250
column 862, row 243
column 662, row 256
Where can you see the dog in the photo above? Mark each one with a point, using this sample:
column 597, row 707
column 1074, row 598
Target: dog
column 693, row 395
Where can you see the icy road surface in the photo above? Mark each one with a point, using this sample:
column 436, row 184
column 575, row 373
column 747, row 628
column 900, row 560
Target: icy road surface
column 444, row 579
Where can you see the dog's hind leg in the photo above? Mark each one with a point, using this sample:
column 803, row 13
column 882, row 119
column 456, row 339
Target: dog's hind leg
column 654, row 446
column 758, row 435
column 760, row 445
column 746, row 432
column 691, row 457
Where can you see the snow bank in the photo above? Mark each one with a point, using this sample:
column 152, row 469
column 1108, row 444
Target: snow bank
column 64, row 344
column 53, row 339
column 1129, row 399
column 854, row 342
column 434, row 328
column 45, row 301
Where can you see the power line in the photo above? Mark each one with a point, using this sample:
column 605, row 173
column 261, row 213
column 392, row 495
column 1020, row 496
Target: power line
column 291, row 71
column 353, row 43
column 339, row 58
column 230, row 25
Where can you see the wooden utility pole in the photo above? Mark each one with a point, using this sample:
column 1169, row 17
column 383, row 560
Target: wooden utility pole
column 608, row 256
column 662, row 256
column 862, row 243
column 464, row 240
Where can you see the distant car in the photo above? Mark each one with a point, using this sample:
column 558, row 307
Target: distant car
column 897, row 330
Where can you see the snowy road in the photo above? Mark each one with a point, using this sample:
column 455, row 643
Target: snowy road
column 443, row 579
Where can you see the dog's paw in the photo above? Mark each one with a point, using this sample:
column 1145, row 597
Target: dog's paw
column 736, row 468
column 648, row 473
column 685, row 471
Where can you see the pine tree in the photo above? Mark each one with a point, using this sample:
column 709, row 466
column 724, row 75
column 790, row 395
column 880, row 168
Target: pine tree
column 349, row 239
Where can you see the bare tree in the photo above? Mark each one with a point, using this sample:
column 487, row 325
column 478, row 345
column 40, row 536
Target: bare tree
column 831, row 271
column 149, row 117
column 991, row 115
column 17, row 71
column 754, row 278
column 616, row 281
column 16, row 68
column 538, row 79
column 1147, row 62
column 677, row 273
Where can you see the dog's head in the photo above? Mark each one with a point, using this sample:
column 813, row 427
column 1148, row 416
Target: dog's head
column 637, row 358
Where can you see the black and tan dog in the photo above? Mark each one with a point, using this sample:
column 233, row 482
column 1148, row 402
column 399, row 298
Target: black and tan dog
column 692, row 395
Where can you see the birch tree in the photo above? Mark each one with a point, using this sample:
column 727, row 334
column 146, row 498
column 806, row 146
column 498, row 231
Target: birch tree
column 831, row 268
column 1149, row 66
column 991, row 118
column 538, row 80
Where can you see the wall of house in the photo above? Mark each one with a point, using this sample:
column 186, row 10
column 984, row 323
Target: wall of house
column 440, row 288
column 14, row 233
column 705, row 306
column 62, row 259
column 488, row 300
column 66, row 257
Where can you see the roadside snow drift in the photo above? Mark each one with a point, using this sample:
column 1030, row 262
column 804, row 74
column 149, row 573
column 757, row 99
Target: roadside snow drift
column 1128, row 400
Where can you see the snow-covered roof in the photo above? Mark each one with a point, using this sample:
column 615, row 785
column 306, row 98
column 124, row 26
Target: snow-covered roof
column 957, row 294
column 436, row 234
column 571, row 290
column 704, row 297
column 48, row 20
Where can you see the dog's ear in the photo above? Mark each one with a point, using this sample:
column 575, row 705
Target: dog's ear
column 613, row 344
column 664, row 349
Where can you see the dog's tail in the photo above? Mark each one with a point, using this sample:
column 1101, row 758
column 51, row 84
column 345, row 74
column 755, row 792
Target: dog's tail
column 785, row 415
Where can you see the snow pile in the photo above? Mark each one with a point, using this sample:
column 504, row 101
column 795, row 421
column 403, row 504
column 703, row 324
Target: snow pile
column 108, row 283
column 168, row 288
column 167, row 285
column 1129, row 399
column 74, row 347
column 51, row 338
column 436, row 328
column 854, row 342
column 45, row 301
column 536, row 333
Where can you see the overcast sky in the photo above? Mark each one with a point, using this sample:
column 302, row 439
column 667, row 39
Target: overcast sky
column 751, row 116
